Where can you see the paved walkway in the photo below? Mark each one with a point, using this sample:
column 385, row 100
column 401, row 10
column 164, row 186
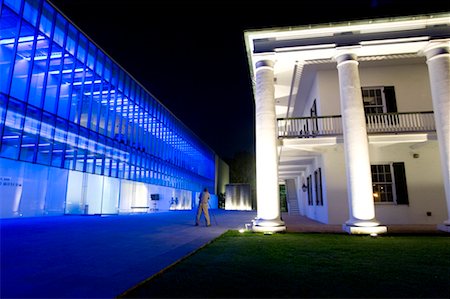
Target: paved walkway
column 101, row 257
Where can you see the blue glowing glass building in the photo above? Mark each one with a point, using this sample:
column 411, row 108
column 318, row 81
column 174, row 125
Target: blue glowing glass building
column 78, row 134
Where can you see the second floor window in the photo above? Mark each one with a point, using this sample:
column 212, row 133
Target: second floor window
column 379, row 99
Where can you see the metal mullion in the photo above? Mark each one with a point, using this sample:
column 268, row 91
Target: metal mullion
column 160, row 135
column 96, row 151
column 108, row 155
column 52, row 140
column 3, row 119
column 172, row 141
column 61, row 67
column 101, row 99
column 130, row 118
column 146, row 140
column 64, row 143
column 19, row 132
column 141, row 120
column 97, row 129
column 163, row 135
column 120, row 132
column 33, row 51
column 151, row 136
column 139, row 126
column 14, row 51
column 108, row 110
column 47, row 62
column 38, row 134
column 91, row 98
column 75, row 147
column 113, row 124
column 83, row 79
column 74, row 65
column 121, row 117
column 125, row 79
column 103, row 154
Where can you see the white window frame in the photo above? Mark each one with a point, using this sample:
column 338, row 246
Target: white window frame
column 394, row 190
column 383, row 99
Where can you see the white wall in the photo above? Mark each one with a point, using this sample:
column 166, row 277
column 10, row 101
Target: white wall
column 328, row 100
column 423, row 178
column 318, row 213
column 336, row 185
column 424, row 182
column 411, row 82
column 313, row 95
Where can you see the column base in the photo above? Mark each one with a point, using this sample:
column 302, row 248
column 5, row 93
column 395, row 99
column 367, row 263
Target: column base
column 268, row 226
column 364, row 230
column 445, row 227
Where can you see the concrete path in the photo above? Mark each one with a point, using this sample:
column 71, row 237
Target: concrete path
column 99, row 257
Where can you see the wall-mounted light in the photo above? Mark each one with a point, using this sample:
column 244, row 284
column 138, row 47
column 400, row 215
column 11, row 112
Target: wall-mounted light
column 304, row 187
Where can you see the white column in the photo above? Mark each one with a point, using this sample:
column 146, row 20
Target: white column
column 267, row 190
column 356, row 145
column 438, row 60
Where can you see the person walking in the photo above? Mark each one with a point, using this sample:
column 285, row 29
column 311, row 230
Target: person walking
column 203, row 207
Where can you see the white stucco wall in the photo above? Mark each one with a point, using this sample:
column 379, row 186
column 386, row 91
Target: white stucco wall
column 313, row 95
column 411, row 82
column 424, row 182
column 412, row 87
column 336, row 185
column 328, row 99
column 319, row 213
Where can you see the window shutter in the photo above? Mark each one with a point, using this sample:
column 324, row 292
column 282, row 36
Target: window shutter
column 389, row 96
column 400, row 183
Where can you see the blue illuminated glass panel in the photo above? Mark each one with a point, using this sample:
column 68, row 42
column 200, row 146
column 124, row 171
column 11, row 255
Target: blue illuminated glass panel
column 65, row 103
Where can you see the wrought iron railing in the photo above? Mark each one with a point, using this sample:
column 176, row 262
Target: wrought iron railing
column 402, row 122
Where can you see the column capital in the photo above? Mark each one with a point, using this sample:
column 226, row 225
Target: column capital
column 345, row 57
column 265, row 63
column 347, row 54
column 436, row 48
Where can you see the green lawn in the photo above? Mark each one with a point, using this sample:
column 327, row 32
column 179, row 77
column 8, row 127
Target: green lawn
column 296, row 265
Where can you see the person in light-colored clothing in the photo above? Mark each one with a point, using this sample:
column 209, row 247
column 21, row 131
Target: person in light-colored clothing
column 203, row 207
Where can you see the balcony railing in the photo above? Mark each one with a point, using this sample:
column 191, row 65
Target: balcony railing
column 403, row 122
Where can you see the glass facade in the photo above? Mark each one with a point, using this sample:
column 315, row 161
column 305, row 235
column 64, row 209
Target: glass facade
column 66, row 104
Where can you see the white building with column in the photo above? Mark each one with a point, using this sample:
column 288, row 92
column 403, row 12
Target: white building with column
column 354, row 119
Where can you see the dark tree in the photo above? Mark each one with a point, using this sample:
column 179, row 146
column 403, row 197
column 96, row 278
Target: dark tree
column 242, row 169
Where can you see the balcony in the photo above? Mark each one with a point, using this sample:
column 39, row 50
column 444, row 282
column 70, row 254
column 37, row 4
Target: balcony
column 383, row 123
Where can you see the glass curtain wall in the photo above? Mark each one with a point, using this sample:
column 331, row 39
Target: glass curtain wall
column 65, row 103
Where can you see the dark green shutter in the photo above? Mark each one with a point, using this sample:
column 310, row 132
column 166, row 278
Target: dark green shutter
column 400, row 183
column 389, row 96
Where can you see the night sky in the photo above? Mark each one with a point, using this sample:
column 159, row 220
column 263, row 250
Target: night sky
column 191, row 55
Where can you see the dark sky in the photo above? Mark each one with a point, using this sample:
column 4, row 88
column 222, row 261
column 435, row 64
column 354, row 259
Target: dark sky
column 191, row 56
